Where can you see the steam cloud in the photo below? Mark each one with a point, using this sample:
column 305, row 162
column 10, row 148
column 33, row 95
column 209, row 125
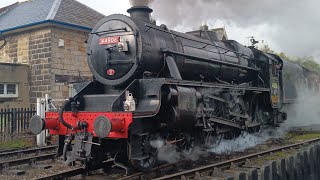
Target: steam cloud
column 306, row 111
column 303, row 113
column 292, row 26
column 242, row 143
column 168, row 152
column 140, row 2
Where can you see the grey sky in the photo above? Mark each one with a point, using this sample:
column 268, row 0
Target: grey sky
column 291, row 26
column 286, row 25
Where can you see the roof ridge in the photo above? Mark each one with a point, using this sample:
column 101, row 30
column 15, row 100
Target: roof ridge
column 54, row 9
column 5, row 9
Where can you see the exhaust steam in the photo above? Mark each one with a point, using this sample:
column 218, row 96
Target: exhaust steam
column 140, row 2
column 305, row 112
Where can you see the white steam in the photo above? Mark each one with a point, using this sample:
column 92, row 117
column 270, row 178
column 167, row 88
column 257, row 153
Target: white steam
column 247, row 141
column 306, row 112
column 168, row 152
column 290, row 25
column 140, row 2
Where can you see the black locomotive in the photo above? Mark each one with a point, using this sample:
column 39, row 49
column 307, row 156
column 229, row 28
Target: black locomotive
column 154, row 83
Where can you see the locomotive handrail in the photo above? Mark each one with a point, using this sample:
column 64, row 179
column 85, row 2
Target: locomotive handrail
column 111, row 30
column 118, row 61
column 216, row 52
column 193, row 39
column 208, row 60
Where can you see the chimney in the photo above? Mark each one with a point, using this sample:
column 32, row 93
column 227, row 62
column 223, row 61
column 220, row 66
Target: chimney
column 142, row 13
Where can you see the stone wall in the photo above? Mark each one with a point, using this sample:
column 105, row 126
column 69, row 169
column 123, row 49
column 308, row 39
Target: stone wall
column 53, row 66
column 40, row 61
column 31, row 47
column 15, row 74
column 17, row 49
column 69, row 60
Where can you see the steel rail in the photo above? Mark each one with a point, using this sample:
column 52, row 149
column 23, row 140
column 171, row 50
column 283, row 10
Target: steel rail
column 26, row 160
column 227, row 164
column 140, row 175
column 12, row 149
column 73, row 172
column 27, row 151
column 64, row 174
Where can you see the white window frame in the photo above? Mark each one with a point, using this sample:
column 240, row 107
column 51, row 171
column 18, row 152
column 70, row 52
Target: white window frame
column 5, row 95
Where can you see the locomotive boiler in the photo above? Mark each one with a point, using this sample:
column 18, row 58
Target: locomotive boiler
column 152, row 83
column 122, row 48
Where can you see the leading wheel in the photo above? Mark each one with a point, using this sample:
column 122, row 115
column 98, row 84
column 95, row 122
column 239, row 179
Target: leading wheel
column 149, row 158
column 145, row 164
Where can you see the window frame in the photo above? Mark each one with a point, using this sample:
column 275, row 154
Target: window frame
column 6, row 95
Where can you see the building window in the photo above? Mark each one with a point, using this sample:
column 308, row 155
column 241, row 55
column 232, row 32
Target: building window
column 8, row 90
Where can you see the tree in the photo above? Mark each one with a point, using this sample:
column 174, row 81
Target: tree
column 308, row 62
column 265, row 48
column 284, row 56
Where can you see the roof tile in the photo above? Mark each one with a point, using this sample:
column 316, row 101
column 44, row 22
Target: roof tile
column 35, row 11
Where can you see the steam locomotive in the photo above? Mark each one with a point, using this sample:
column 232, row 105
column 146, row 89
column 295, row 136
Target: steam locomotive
column 154, row 83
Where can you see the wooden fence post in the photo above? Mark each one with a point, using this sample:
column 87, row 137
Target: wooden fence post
column 13, row 120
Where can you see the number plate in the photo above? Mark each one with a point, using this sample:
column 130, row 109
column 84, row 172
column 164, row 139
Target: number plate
column 109, row 40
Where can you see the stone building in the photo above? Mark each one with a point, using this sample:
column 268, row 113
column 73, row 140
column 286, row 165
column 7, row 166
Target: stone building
column 222, row 33
column 14, row 85
column 49, row 36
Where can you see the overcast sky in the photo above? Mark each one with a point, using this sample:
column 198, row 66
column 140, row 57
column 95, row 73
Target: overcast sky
column 291, row 26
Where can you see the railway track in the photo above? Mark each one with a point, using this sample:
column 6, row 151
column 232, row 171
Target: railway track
column 19, row 152
column 210, row 169
column 26, row 156
column 73, row 172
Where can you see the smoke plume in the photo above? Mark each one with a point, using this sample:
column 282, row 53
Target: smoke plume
column 290, row 26
column 140, row 2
